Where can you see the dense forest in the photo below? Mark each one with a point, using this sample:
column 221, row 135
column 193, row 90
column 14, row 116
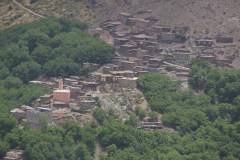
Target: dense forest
column 52, row 46
column 205, row 118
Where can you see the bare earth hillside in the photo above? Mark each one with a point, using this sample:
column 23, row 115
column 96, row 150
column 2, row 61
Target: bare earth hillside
column 12, row 11
column 203, row 16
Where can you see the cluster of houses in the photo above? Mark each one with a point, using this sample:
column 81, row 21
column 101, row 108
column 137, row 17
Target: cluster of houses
column 142, row 46
column 139, row 50
column 70, row 99
column 220, row 50
column 66, row 102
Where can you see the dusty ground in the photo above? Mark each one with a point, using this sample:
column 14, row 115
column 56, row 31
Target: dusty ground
column 203, row 16
column 11, row 14
column 120, row 101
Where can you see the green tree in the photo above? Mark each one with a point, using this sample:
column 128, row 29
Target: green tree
column 82, row 152
column 33, row 38
column 12, row 82
column 140, row 113
column 27, row 71
column 7, row 123
column 153, row 116
column 14, row 55
column 4, row 72
column 3, row 149
column 41, row 54
column 99, row 115
column 61, row 67
column 132, row 120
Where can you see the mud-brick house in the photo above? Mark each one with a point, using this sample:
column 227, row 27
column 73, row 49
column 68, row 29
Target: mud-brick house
column 110, row 67
column 142, row 52
column 140, row 22
column 169, row 58
column 147, row 57
column 62, row 95
column 162, row 29
column 107, row 78
column 45, row 99
column 166, row 37
column 120, row 41
column 124, row 49
column 224, row 39
column 89, row 86
column 180, row 30
column 38, row 115
column 58, row 104
column 171, row 34
column 155, row 62
column 127, row 65
column 95, row 76
column 130, row 83
column 154, row 69
column 70, row 81
column 20, row 113
column 204, row 42
column 110, row 25
column 86, row 105
column 62, row 115
column 125, row 73
column 123, row 17
column 75, row 92
column 182, row 57
column 117, row 60
column 143, row 37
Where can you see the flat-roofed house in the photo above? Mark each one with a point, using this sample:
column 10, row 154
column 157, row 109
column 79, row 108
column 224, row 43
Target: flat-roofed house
column 128, row 82
column 61, row 95
column 204, row 42
column 36, row 116
column 124, row 17
column 224, row 39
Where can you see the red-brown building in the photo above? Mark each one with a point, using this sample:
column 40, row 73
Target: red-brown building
column 61, row 95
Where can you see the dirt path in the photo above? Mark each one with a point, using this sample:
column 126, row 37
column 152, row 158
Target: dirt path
column 98, row 151
column 27, row 9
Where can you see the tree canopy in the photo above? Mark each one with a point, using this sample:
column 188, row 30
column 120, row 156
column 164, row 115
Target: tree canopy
column 51, row 46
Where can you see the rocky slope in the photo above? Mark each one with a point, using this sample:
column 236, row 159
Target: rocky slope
column 203, row 16
column 11, row 13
